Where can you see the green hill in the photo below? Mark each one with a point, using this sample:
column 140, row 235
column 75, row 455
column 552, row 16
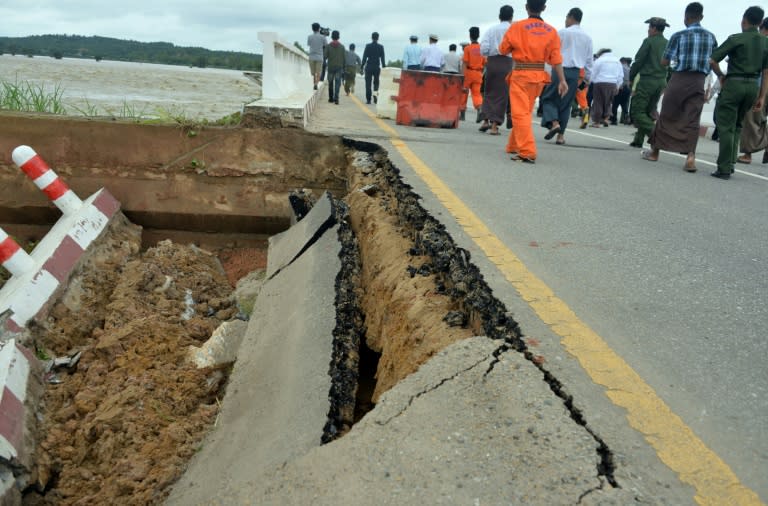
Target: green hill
column 77, row 46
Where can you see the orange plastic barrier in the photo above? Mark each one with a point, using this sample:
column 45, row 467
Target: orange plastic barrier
column 429, row 99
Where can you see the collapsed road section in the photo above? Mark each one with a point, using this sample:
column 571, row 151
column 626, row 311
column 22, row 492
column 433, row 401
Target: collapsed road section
column 376, row 366
column 449, row 405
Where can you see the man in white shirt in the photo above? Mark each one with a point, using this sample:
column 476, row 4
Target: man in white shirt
column 576, row 48
column 432, row 58
column 452, row 61
column 496, row 96
column 607, row 78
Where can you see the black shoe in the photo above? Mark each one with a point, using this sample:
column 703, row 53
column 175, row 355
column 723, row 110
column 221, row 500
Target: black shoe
column 635, row 144
column 330, row 100
column 375, row 99
column 368, row 102
column 315, row 86
column 720, row 175
column 336, row 102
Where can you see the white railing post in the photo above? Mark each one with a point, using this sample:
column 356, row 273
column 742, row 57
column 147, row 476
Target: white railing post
column 47, row 180
column 285, row 69
column 12, row 257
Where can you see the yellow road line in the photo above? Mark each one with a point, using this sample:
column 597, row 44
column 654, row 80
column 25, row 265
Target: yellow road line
column 675, row 443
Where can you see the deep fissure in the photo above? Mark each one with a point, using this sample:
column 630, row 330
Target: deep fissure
column 457, row 277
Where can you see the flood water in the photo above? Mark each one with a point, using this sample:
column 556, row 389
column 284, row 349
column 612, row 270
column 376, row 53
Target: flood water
column 125, row 89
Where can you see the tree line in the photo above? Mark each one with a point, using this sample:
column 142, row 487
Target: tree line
column 98, row 48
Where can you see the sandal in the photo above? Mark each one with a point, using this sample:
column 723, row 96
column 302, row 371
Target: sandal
column 647, row 154
column 745, row 159
column 560, row 142
column 517, row 158
column 552, row 132
column 484, row 127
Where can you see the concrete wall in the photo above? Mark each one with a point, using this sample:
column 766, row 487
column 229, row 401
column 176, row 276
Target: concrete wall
column 287, row 98
column 167, row 177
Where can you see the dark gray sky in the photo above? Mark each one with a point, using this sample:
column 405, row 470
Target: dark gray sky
column 234, row 25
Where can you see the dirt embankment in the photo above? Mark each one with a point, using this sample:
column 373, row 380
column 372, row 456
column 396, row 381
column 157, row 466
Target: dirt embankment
column 120, row 428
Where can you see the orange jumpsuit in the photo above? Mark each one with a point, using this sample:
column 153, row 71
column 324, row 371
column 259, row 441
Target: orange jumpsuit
column 474, row 63
column 581, row 95
column 531, row 42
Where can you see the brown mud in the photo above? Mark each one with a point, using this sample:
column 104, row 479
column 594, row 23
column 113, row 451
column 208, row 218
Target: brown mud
column 120, row 427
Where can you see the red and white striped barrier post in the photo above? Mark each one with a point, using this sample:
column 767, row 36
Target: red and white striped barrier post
column 46, row 179
column 12, row 257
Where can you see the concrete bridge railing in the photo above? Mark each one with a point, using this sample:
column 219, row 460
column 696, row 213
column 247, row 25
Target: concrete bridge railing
column 288, row 97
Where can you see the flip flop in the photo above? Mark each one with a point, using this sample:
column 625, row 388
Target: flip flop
column 552, row 132
column 484, row 128
column 560, row 142
column 492, row 132
column 517, row 158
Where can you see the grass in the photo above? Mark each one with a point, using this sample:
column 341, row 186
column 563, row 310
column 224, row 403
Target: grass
column 26, row 96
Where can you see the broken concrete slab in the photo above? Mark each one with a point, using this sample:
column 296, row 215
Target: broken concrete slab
column 284, row 248
column 466, row 428
column 222, row 346
column 277, row 399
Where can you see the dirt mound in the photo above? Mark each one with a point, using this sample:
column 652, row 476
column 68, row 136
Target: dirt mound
column 120, row 428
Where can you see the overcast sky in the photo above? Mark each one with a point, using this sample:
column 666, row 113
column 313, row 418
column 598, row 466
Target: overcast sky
column 234, row 24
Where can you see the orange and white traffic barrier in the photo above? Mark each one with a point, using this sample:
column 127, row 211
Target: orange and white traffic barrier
column 13, row 257
column 47, row 180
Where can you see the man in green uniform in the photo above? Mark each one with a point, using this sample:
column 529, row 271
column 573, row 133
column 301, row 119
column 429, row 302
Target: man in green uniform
column 653, row 78
column 747, row 54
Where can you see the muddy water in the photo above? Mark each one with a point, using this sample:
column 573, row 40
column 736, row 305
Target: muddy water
column 109, row 88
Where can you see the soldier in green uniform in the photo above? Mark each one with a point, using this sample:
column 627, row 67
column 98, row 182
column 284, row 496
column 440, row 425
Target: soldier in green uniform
column 653, row 78
column 747, row 54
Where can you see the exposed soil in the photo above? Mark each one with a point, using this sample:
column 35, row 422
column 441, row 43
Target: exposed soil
column 404, row 313
column 120, row 428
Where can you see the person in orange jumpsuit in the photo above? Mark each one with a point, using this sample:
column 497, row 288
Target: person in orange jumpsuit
column 474, row 63
column 581, row 94
column 531, row 42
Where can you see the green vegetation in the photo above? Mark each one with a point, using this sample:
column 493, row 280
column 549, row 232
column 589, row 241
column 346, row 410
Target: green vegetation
column 24, row 96
column 98, row 48
column 27, row 97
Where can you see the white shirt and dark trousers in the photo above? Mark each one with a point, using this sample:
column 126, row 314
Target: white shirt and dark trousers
column 496, row 96
column 432, row 58
column 607, row 77
column 576, row 48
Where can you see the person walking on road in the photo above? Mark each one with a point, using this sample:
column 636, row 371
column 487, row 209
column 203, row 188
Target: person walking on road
column 412, row 55
column 497, row 66
column 373, row 61
column 747, row 54
column 532, row 42
column 351, row 68
column 621, row 100
column 316, row 43
column 576, row 47
column 754, row 133
column 337, row 57
column 474, row 64
column 607, row 78
column 677, row 128
column 653, row 79
column 432, row 58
